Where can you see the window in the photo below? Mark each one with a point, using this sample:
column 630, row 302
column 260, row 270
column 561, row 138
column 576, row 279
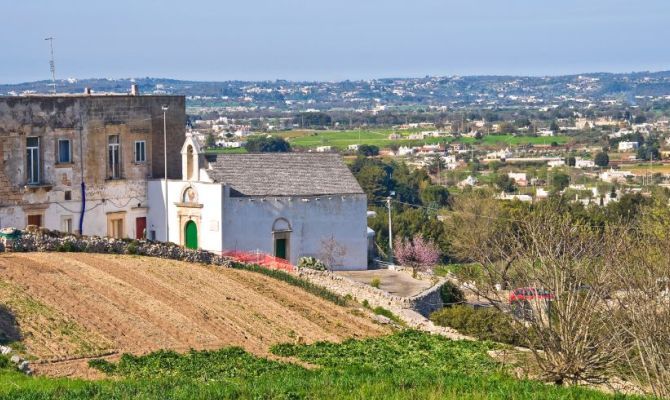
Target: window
column 116, row 225
column 64, row 151
column 67, row 195
column 35, row 219
column 33, row 160
column 67, row 224
column 140, row 151
column 114, row 157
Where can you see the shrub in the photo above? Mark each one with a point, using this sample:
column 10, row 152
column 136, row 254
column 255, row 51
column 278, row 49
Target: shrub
column 311, row 263
column 451, row 294
column 388, row 314
column 132, row 248
column 5, row 363
column 486, row 324
column 102, row 365
column 375, row 282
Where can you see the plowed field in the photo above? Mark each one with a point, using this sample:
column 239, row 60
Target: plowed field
column 65, row 307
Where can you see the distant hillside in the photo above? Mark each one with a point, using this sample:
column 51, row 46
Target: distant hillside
column 453, row 91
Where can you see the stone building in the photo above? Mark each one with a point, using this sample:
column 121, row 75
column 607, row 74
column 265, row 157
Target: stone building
column 80, row 163
column 288, row 205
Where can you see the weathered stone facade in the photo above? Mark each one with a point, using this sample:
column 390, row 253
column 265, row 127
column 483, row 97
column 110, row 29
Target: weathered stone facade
column 85, row 125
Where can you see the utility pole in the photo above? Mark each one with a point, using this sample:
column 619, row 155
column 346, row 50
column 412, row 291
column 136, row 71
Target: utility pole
column 388, row 204
column 167, row 223
column 52, row 64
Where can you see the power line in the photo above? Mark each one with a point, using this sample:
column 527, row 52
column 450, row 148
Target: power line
column 472, row 214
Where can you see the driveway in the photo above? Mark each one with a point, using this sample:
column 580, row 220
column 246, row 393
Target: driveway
column 394, row 282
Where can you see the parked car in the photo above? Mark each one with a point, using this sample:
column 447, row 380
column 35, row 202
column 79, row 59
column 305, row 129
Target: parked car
column 529, row 293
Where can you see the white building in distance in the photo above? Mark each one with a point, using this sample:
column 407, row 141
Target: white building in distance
column 628, row 146
column 288, row 205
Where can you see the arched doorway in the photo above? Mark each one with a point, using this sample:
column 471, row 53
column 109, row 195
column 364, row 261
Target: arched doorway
column 281, row 234
column 191, row 235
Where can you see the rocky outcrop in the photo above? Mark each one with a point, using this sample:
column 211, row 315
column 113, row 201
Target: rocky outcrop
column 21, row 364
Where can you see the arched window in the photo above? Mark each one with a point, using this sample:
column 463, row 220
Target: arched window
column 281, row 225
column 189, row 163
column 189, row 195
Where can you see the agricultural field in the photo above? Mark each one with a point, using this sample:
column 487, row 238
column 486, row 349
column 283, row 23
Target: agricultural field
column 642, row 169
column 61, row 309
column 379, row 137
column 404, row 365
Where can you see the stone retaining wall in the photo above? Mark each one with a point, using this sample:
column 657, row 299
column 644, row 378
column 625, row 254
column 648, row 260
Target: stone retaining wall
column 412, row 311
column 51, row 241
column 424, row 303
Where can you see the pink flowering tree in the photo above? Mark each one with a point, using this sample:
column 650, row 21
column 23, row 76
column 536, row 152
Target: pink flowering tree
column 418, row 253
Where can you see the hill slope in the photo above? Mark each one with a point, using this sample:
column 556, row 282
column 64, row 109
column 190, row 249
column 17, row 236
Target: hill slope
column 71, row 305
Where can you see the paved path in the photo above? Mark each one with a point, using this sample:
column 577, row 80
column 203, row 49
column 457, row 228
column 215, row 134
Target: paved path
column 394, row 282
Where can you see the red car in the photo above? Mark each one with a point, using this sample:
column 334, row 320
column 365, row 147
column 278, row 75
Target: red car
column 529, row 293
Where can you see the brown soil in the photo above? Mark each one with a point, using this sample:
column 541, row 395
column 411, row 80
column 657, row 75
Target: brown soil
column 71, row 306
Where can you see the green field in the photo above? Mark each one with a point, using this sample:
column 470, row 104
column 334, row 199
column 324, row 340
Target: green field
column 406, row 365
column 231, row 150
column 379, row 137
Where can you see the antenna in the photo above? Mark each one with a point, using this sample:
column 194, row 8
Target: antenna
column 52, row 64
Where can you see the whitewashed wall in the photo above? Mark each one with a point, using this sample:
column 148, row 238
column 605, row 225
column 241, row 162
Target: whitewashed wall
column 247, row 225
column 242, row 223
column 208, row 194
column 122, row 195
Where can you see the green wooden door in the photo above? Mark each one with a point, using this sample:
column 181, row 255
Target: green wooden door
column 280, row 248
column 191, row 234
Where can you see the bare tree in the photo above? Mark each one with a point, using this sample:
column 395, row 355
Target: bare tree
column 331, row 252
column 482, row 235
column 563, row 269
column 643, row 301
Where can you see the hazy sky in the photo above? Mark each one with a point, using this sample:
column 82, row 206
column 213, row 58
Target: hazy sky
column 330, row 39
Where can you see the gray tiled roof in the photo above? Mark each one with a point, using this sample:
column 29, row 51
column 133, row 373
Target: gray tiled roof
column 284, row 174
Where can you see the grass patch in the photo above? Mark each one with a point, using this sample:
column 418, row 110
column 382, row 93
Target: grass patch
column 379, row 137
column 406, row 365
column 388, row 314
column 227, row 150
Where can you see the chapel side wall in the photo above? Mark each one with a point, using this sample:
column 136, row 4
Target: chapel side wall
column 247, row 225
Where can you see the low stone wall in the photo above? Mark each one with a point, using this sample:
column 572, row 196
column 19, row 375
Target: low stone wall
column 50, row 241
column 411, row 310
column 424, row 303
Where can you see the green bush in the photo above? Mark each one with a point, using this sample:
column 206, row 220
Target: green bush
column 375, row 282
column 388, row 314
column 5, row 363
column 132, row 248
column 102, row 365
column 451, row 294
column 311, row 263
column 67, row 247
column 485, row 324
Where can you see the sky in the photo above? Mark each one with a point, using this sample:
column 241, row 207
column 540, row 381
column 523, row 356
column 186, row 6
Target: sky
column 221, row 40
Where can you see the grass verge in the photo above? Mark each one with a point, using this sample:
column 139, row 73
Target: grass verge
column 405, row 365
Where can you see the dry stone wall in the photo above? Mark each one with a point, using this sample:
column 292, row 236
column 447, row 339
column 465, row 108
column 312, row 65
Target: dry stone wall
column 44, row 240
column 411, row 310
